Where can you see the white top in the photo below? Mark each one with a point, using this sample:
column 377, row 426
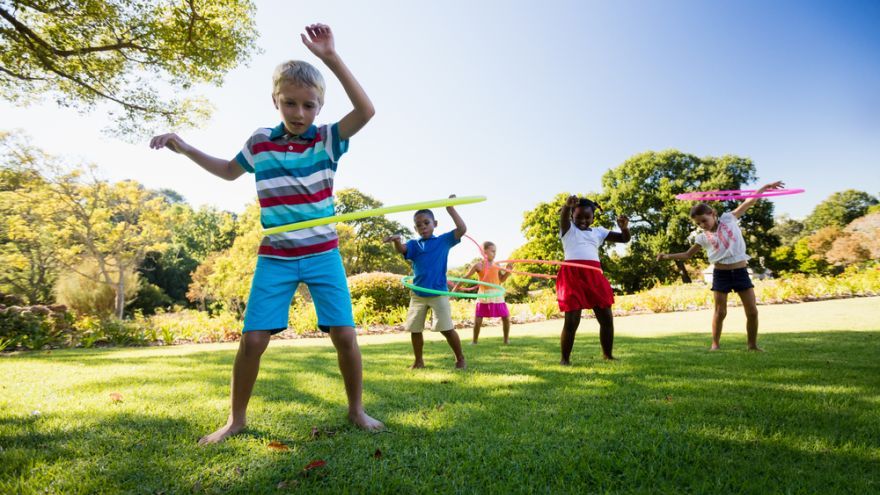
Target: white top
column 583, row 244
column 726, row 245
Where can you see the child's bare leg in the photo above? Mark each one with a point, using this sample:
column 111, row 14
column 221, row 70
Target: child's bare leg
column 244, row 374
column 418, row 343
column 718, row 318
column 750, row 305
column 505, row 325
column 606, row 331
column 478, row 322
column 566, row 340
column 349, row 356
column 455, row 344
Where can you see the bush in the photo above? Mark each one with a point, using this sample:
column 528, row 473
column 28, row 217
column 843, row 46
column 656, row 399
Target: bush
column 33, row 327
column 544, row 303
column 303, row 317
column 85, row 296
column 384, row 289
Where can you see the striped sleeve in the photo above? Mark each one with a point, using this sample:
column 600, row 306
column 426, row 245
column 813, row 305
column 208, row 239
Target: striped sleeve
column 245, row 157
column 334, row 146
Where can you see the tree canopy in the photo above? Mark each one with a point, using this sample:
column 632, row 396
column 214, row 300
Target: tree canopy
column 839, row 209
column 138, row 55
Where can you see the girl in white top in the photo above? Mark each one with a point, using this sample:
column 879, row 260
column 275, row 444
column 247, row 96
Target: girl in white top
column 723, row 241
column 579, row 288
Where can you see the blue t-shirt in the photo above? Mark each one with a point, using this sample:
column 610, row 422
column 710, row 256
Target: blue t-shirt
column 429, row 259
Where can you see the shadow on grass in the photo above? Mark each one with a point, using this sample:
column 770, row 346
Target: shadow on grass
column 667, row 417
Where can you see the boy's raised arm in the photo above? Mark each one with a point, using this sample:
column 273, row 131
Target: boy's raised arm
column 460, row 226
column 320, row 42
column 229, row 170
column 398, row 246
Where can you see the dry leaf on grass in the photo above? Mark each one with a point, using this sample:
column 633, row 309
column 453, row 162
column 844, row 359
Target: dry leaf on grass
column 116, row 397
column 377, row 454
column 278, row 446
column 315, row 464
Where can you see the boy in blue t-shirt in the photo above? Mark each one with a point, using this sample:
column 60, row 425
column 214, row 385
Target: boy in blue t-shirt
column 428, row 255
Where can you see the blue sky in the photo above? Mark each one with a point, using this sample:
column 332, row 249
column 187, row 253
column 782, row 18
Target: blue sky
column 520, row 101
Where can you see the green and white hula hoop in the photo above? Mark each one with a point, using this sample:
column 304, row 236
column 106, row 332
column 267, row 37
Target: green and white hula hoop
column 385, row 210
column 498, row 292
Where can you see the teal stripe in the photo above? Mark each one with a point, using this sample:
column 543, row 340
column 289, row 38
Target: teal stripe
column 284, row 214
column 299, row 159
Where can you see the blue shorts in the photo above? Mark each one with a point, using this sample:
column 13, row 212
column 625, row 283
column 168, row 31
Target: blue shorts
column 275, row 281
column 735, row 280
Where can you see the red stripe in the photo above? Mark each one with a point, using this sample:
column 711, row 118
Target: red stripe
column 297, row 199
column 299, row 251
column 289, row 147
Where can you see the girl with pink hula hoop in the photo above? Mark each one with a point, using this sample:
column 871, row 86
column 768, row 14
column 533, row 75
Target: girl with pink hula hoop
column 578, row 289
column 490, row 308
column 726, row 249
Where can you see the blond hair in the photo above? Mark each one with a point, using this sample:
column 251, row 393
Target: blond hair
column 299, row 73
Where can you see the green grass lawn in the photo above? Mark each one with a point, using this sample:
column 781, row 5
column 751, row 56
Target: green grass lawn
column 670, row 417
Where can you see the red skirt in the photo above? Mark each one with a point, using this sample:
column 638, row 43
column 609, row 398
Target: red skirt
column 582, row 288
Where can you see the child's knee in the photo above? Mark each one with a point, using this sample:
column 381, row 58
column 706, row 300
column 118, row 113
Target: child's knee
column 720, row 312
column 751, row 313
column 253, row 344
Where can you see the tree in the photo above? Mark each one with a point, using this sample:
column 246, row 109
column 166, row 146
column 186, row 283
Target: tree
column 360, row 241
column 788, row 230
column 839, row 209
column 128, row 52
column 226, row 276
column 113, row 225
column 29, row 258
column 194, row 235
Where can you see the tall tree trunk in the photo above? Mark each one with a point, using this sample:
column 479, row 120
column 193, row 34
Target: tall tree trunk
column 685, row 277
column 120, row 295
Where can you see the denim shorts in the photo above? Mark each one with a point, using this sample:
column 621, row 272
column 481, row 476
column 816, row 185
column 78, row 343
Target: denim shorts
column 735, row 280
column 275, row 281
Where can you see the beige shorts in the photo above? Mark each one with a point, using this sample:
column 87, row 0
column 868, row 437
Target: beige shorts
column 418, row 313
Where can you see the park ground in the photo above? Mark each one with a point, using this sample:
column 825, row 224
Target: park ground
column 667, row 417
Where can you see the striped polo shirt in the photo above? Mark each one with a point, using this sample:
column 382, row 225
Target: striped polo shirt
column 294, row 177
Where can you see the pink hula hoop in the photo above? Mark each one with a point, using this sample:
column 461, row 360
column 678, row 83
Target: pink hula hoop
column 544, row 262
column 735, row 194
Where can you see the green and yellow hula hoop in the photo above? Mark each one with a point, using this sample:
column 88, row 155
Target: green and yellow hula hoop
column 385, row 210
column 498, row 292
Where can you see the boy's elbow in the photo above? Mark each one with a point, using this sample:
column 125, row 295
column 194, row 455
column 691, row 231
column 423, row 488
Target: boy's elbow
column 367, row 113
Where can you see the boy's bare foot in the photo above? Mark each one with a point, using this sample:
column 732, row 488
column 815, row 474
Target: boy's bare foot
column 417, row 364
column 565, row 362
column 365, row 422
column 755, row 348
column 222, row 434
column 606, row 357
column 506, row 342
column 460, row 364
column 715, row 347
column 474, row 342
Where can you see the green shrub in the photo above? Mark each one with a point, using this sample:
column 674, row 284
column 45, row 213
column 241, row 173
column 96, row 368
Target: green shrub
column 85, row 296
column 384, row 289
column 93, row 330
column 544, row 303
column 364, row 310
column 303, row 317
column 33, row 327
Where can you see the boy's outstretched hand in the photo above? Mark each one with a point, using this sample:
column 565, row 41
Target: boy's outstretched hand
column 392, row 238
column 623, row 222
column 319, row 40
column 171, row 141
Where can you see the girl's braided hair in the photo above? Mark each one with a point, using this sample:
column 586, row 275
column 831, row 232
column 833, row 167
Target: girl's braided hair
column 588, row 203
